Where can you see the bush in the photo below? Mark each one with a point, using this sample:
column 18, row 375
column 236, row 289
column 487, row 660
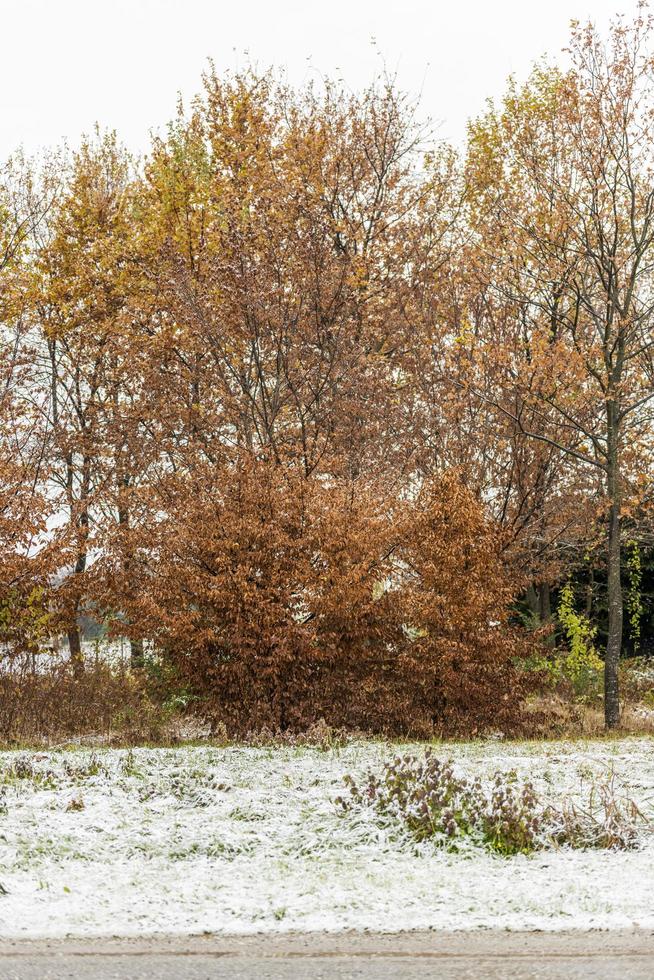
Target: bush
column 506, row 817
column 582, row 665
column 55, row 703
column 575, row 670
column 283, row 600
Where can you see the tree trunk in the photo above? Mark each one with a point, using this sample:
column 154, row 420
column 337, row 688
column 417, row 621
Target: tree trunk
column 137, row 658
column 136, row 654
column 532, row 600
column 540, row 605
column 545, row 610
column 544, row 602
column 73, row 633
column 75, row 647
column 614, row 641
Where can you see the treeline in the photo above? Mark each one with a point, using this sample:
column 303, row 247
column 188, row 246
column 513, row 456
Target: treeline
column 323, row 411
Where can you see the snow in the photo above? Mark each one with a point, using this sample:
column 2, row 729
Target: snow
column 242, row 840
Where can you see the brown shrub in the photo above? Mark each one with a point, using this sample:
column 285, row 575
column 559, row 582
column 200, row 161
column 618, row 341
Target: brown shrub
column 284, row 601
column 55, row 703
column 459, row 596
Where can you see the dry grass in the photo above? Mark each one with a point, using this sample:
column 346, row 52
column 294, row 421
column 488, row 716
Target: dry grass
column 552, row 716
column 114, row 706
column 102, row 705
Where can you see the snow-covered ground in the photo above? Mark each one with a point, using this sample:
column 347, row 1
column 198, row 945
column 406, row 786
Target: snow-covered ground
column 248, row 840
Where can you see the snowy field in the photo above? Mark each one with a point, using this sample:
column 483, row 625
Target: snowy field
column 247, row 840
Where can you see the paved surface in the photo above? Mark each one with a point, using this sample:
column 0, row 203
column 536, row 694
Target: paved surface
column 406, row 956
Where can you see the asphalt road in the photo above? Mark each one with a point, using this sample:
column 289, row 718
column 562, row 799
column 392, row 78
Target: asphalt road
column 407, row 956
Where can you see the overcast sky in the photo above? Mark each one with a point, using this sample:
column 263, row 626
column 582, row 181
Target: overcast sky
column 67, row 64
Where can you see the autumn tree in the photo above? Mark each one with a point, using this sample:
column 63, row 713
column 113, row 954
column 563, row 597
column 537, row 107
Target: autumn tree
column 562, row 211
column 284, row 221
column 283, row 238
column 79, row 286
column 313, row 399
column 25, row 198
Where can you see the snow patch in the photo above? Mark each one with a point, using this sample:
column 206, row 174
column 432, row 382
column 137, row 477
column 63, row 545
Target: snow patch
column 114, row 842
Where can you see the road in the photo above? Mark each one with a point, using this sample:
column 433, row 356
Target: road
column 350, row 956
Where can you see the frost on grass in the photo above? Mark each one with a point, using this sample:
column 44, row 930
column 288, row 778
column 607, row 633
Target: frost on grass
column 505, row 815
column 251, row 839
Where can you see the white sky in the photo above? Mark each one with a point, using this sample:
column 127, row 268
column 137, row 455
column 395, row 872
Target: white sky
column 67, row 64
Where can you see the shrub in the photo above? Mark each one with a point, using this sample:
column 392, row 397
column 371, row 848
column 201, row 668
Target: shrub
column 458, row 595
column 582, row 665
column 507, row 816
column 575, row 668
column 284, row 600
column 55, row 703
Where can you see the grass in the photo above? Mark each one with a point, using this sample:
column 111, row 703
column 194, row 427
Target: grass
column 224, row 837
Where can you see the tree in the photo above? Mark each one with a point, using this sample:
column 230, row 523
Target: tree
column 284, row 236
column 25, row 559
column 562, row 212
column 79, row 290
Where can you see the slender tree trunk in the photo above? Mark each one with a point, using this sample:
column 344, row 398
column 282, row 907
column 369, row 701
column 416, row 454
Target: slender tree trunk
column 532, row 600
column 136, row 654
column 75, row 647
column 137, row 657
column 73, row 632
column 545, row 610
column 545, row 602
column 540, row 605
column 614, row 641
